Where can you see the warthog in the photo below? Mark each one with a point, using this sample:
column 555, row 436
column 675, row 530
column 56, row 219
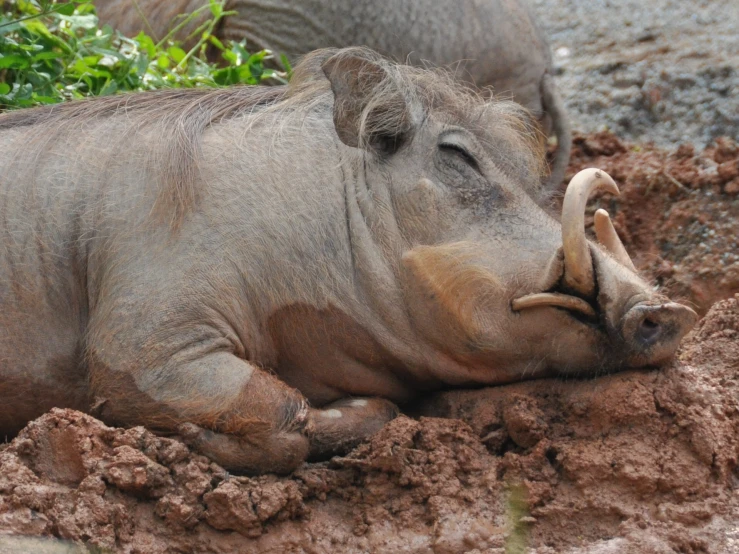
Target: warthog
column 267, row 270
column 494, row 43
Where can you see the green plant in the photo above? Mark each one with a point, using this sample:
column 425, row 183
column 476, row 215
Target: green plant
column 51, row 51
column 517, row 514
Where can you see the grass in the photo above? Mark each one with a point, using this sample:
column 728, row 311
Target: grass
column 52, row 51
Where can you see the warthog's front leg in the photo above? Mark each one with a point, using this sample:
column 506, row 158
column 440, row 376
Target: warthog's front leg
column 240, row 416
column 159, row 355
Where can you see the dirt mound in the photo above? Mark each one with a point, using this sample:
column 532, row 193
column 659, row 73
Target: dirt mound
column 634, row 462
column 678, row 213
column 416, row 485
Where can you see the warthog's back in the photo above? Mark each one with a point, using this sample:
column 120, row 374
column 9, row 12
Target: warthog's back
column 491, row 43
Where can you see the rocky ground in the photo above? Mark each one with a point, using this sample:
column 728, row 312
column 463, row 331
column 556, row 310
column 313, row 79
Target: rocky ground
column 662, row 71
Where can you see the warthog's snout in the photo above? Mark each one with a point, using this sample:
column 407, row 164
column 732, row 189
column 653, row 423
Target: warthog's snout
column 601, row 287
column 653, row 331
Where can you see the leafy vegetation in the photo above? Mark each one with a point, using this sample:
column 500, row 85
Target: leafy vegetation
column 51, row 51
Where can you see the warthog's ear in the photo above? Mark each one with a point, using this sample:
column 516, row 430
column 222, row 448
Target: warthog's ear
column 370, row 110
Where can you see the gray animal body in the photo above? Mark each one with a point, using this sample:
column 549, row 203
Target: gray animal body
column 267, row 271
column 490, row 43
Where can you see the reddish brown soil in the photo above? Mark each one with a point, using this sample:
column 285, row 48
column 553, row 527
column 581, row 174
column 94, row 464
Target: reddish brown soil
column 635, row 462
column 639, row 462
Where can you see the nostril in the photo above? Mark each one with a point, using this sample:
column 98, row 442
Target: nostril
column 652, row 330
column 649, row 330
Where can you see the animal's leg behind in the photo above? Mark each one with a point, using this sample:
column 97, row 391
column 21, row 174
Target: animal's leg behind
column 554, row 107
column 334, row 429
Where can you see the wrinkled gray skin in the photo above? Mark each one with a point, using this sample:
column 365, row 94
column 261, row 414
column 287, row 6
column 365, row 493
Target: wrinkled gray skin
column 266, row 270
column 490, row 43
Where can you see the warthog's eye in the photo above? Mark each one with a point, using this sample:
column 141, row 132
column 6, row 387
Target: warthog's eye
column 459, row 151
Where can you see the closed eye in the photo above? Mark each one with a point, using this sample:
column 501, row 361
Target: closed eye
column 460, row 151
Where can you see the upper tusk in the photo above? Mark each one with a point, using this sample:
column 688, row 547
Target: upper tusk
column 553, row 299
column 578, row 263
column 608, row 237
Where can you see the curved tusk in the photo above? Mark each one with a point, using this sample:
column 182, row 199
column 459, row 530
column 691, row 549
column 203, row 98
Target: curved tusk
column 578, row 263
column 553, row 299
column 608, row 237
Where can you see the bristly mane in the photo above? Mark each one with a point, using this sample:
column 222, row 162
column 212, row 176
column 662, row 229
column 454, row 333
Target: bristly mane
column 181, row 117
column 175, row 104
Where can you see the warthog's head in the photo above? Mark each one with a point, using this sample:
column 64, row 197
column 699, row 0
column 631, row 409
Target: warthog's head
column 489, row 277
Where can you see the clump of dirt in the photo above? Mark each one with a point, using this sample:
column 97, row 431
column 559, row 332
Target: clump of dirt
column 642, row 461
column 677, row 214
column 429, row 482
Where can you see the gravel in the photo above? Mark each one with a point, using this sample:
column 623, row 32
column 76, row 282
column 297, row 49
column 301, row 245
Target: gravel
column 662, row 71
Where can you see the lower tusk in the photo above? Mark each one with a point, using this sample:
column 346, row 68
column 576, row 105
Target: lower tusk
column 553, row 299
column 608, row 237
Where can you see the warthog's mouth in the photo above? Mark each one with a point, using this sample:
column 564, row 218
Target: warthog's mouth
column 579, row 275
